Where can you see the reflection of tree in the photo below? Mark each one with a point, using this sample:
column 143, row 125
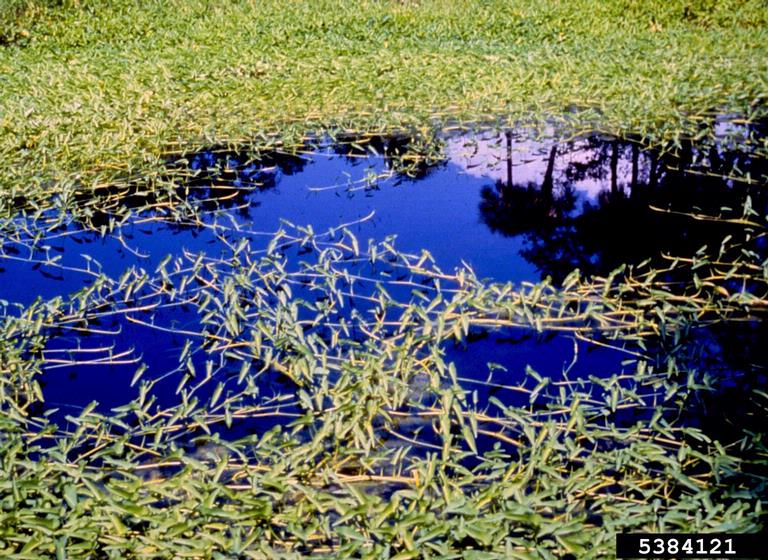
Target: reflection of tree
column 404, row 154
column 623, row 225
column 227, row 179
column 227, row 169
column 597, row 151
column 512, row 209
column 214, row 179
column 733, row 357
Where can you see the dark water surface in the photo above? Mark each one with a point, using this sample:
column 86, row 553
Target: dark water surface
column 511, row 208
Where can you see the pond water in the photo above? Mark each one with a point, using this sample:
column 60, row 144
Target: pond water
column 506, row 206
column 510, row 208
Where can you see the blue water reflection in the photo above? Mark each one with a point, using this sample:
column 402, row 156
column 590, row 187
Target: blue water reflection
column 510, row 208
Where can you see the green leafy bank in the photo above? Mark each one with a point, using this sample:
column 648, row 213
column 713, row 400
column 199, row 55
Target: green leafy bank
column 91, row 89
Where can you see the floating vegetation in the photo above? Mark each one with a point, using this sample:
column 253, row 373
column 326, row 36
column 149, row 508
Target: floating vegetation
column 198, row 378
column 94, row 90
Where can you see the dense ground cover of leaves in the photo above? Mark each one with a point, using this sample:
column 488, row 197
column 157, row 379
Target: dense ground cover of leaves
column 92, row 89
column 380, row 448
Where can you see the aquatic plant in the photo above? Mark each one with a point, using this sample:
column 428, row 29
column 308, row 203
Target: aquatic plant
column 308, row 399
column 313, row 407
column 100, row 90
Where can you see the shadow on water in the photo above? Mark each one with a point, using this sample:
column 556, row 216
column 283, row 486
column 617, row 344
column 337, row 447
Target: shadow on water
column 599, row 203
column 525, row 209
column 510, row 207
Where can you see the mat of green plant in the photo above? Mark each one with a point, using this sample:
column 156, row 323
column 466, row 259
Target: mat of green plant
column 383, row 453
column 94, row 91
column 91, row 89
